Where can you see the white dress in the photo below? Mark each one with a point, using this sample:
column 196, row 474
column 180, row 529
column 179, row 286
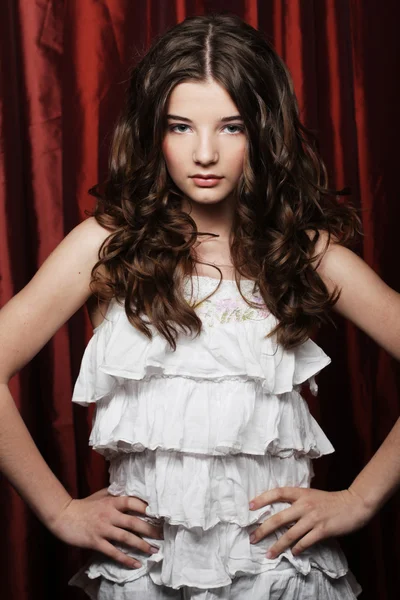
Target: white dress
column 197, row 433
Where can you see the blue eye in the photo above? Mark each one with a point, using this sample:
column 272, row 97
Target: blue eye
column 239, row 128
column 173, row 127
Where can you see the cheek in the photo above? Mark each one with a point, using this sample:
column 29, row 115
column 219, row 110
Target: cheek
column 171, row 155
column 168, row 157
column 236, row 159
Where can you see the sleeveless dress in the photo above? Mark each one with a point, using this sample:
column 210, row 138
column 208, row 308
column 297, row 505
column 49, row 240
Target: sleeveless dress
column 197, row 433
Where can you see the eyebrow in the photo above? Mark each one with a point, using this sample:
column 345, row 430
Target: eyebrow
column 223, row 120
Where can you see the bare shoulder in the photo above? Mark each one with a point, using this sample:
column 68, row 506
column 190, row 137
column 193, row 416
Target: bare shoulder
column 365, row 299
column 57, row 290
column 92, row 230
column 337, row 264
column 342, row 268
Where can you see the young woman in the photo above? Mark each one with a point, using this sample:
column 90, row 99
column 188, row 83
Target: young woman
column 197, row 377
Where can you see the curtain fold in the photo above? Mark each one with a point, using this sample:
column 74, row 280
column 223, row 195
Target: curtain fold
column 62, row 68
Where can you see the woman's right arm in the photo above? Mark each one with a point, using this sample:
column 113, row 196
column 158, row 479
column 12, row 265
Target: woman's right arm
column 27, row 322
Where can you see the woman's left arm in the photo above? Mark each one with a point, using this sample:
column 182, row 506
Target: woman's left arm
column 374, row 307
column 368, row 302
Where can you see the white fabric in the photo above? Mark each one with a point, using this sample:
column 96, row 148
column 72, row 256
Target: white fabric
column 283, row 583
column 197, row 433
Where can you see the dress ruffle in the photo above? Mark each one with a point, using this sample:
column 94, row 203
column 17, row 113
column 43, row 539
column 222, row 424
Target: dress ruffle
column 233, row 416
column 212, row 558
column 201, row 491
column 281, row 583
column 118, row 351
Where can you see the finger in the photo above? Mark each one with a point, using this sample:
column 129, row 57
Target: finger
column 137, row 524
column 125, row 503
column 280, row 519
column 291, row 537
column 280, row 494
column 113, row 552
column 308, row 540
column 129, row 539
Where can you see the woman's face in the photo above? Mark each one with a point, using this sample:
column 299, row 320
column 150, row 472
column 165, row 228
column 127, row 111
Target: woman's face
column 198, row 141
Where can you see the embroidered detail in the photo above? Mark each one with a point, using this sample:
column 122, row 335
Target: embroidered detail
column 226, row 304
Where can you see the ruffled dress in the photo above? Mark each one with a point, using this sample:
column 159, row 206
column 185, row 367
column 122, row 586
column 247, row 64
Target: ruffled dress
column 196, row 434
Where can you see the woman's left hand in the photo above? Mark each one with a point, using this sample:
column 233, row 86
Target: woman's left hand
column 317, row 515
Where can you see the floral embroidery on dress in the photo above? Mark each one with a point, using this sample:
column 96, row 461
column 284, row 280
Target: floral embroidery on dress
column 226, row 304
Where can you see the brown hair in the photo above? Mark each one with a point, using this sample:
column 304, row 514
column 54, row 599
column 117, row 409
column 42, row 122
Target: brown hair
column 281, row 197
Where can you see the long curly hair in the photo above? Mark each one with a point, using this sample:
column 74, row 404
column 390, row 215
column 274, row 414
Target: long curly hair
column 282, row 195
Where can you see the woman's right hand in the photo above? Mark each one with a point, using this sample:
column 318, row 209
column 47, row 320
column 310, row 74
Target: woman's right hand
column 90, row 522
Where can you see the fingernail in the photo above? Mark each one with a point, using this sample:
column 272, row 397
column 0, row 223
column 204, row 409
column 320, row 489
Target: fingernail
column 251, row 505
column 153, row 549
column 252, row 538
column 269, row 554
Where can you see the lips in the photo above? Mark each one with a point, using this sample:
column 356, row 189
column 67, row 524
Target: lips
column 206, row 181
column 206, row 177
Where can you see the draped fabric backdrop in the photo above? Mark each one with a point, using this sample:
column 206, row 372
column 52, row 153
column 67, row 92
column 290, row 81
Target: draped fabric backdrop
column 63, row 71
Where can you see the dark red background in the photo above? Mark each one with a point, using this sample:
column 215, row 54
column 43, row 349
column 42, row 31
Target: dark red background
column 63, row 67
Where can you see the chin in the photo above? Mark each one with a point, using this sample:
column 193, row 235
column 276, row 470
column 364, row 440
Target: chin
column 209, row 194
column 215, row 200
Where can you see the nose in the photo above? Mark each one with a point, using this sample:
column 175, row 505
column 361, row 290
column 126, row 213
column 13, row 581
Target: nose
column 205, row 151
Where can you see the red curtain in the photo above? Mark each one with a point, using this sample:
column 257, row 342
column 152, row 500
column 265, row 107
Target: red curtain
column 63, row 64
